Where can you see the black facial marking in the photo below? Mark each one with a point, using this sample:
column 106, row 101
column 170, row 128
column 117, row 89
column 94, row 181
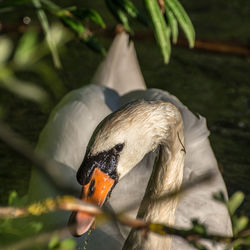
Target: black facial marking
column 105, row 161
column 91, row 188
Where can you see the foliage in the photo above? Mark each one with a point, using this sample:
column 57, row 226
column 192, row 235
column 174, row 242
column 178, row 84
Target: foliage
column 163, row 15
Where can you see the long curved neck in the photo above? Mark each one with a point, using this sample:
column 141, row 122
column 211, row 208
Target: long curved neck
column 166, row 177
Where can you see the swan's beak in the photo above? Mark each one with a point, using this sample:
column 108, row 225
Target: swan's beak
column 96, row 192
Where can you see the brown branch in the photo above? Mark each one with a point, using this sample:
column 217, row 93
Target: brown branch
column 71, row 203
column 224, row 47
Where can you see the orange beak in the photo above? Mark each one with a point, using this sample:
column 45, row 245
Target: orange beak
column 95, row 192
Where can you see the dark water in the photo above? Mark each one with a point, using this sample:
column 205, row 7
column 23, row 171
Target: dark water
column 214, row 85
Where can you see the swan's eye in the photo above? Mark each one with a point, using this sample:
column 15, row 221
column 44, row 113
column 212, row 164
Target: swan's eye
column 118, row 148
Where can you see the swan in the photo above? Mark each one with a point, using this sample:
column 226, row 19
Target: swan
column 106, row 138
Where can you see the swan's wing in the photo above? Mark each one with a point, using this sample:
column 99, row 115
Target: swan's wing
column 198, row 202
column 120, row 69
column 64, row 139
column 68, row 130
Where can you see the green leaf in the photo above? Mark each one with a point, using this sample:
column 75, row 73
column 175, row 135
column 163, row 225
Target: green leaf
column 68, row 244
column 119, row 14
column 36, row 226
column 132, row 10
column 235, row 201
column 161, row 30
column 46, row 28
column 173, row 24
column 183, row 20
column 71, row 22
column 26, row 48
column 5, row 49
column 54, row 242
column 239, row 224
column 12, row 198
column 198, row 227
column 93, row 15
column 219, row 196
column 94, row 44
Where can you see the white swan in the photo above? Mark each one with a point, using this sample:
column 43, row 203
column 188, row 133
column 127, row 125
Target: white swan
column 64, row 139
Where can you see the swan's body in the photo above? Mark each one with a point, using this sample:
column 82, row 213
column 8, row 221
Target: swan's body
column 68, row 131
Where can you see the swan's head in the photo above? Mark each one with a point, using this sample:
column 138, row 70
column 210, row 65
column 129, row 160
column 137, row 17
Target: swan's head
column 119, row 142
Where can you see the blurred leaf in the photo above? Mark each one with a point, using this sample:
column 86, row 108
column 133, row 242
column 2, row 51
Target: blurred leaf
column 183, row 19
column 12, row 198
column 219, row 196
column 161, row 29
column 50, row 78
column 239, row 224
column 36, row 226
column 25, row 49
column 24, row 89
column 119, row 14
column 6, row 47
column 173, row 24
column 93, row 15
column 68, row 244
column 198, row 227
column 235, row 201
column 45, row 25
column 54, row 242
column 198, row 245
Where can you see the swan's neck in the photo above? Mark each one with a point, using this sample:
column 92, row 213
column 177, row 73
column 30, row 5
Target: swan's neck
column 166, row 177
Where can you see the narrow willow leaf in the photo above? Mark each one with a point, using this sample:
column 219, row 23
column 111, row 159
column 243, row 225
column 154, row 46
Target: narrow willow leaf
column 132, row 10
column 71, row 22
column 183, row 20
column 173, row 24
column 94, row 44
column 235, row 201
column 25, row 50
column 119, row 14
column 6, row 47
column 93, row 15
column 161, row 29
column 45, row 25
column 129, row 7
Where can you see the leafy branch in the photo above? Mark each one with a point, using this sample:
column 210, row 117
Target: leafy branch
column 162, row 16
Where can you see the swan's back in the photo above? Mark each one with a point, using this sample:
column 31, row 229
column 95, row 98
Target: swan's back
column 120, row 69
